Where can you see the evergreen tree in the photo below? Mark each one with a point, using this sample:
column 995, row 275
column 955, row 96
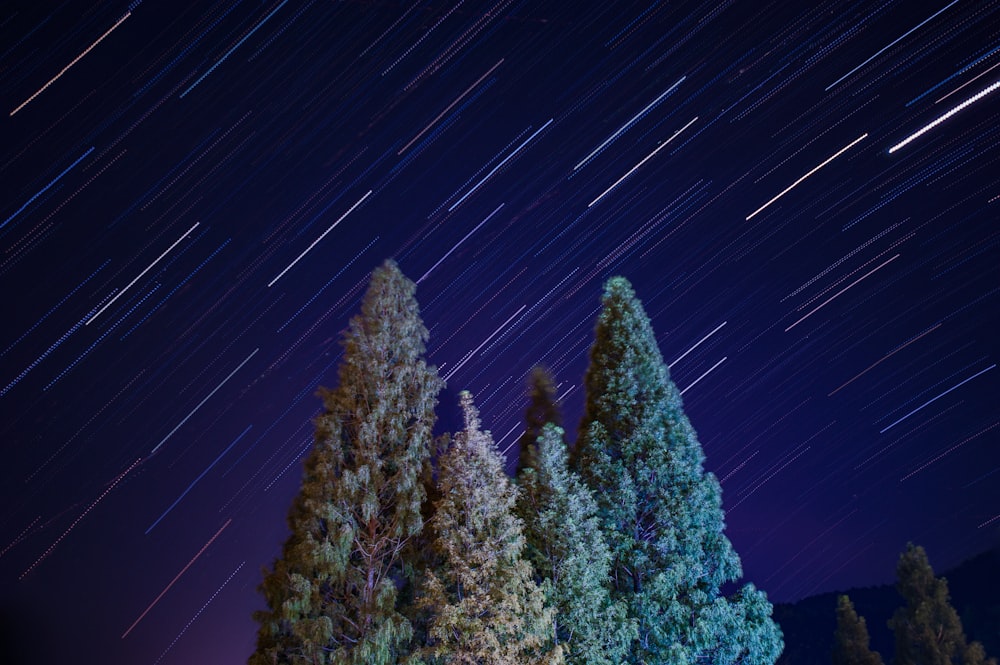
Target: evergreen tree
column 568, row 553
column 331, row 597
column 661, row 513
column 851, row 642
column 543, row 407
column 927, row 629
column 484, row 606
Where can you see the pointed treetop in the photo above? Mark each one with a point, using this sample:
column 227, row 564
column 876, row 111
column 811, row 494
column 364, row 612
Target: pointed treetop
column 543, row 409
column 470, row 413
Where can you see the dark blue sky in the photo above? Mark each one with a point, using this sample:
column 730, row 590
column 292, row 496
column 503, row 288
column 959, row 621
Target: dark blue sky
column 804, row 195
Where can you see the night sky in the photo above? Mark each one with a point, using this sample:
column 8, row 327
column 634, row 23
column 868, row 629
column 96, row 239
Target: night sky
column 193, row 195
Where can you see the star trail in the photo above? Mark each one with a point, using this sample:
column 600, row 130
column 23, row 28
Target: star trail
column 806, row 197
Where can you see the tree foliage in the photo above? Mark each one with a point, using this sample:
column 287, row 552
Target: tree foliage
column 927, row 628
column 331, row 596
column 851, row 641
column 484, row 606
column 543, row 408
column 660, row 511
column 569, row 555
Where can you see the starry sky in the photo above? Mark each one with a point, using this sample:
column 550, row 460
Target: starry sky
column 192, row 197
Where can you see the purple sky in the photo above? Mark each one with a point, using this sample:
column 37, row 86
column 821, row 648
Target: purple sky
column 805, row 196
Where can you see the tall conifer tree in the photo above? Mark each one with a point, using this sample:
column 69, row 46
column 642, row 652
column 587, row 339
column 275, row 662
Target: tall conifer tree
column 851, row 642
column 331, row 596
column 484, row 606
column 568, row 552
column 543, row 408
column 661, row 512
column 927, row 629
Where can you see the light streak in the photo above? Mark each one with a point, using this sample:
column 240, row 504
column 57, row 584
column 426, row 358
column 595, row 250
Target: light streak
column 500, row 165
column 177, row 577
column 79, row 518
column 794, row 184
column 171, row 433
column 928, row 127
column 195, row 482
column 235, row 46
column 969, row 82
column 469, row 355
column 825, row 302
column 884, row 49
column 624, row 128
column 934, row 399
column 467, row 235
column 158, row 258
column 681, row 357
column 645, row 159
column 20, row 536
column 46, row 188
column 314, row 242
column 198, row 613
column 511, row 444
column 885, row 357
column 450, row 107
column 950, row 450
column 704, row 375
column 75, row 60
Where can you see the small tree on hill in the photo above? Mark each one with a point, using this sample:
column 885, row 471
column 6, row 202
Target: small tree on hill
column 927, row 629
column 569, row 555
column 851, row 642
column 661, row 512
column 484, row 606
column 331, row 596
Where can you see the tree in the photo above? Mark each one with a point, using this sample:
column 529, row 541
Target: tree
column 484, row 606
column 331, row 596
column 851, row 642
column 569, row 555
column 927, row 629
column 543, row 407
column 660, row 512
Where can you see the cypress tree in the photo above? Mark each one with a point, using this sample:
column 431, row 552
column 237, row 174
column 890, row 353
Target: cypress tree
column 660, row 511
column 851, row 642
column 569, row 555
column 484, row 606
column 543, row 407
column 927, row 629
column 331, row 596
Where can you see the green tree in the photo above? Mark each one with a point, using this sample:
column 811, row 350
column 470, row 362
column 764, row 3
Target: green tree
column 543, row 408
column 484, row 606
column 851, row 642
column 927, row 629
column 569, row 554
column 660, row 511
column 331, row 596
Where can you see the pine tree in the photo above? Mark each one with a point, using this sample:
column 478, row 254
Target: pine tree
column 851, row 642
column 331, row 597
column 661, row 513
column 927, row 629
column 484, row 606
column 543, row 407
column 568, row 553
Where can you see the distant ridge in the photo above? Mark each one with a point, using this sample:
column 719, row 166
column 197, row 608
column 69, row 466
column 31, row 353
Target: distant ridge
column 809, row 624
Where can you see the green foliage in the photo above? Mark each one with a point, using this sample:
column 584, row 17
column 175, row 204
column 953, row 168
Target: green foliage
column 484, row 606
column 569, row 554
column 851, row 642
column 660, row 512
column 927, row 629
column 331, row 596
column 543, row 408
